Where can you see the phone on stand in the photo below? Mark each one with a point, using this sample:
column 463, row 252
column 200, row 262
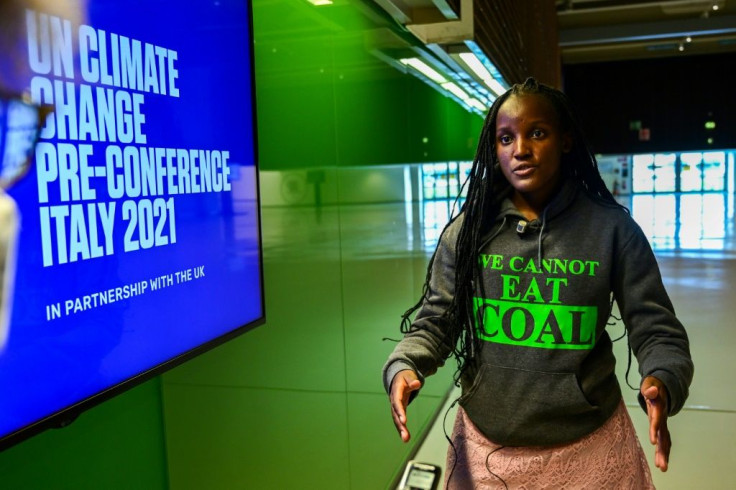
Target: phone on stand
column 420, row 476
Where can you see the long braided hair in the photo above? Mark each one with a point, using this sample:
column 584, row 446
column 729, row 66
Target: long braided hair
column 486, row 186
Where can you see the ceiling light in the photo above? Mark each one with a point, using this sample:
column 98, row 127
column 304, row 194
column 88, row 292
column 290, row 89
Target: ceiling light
column 476, row 104
column 495, row 86
column 474, row 64
column 688, row 39
column 424, row 69
column 482, row 72
column 455, row 90
column 449, row 75
column 320, row 3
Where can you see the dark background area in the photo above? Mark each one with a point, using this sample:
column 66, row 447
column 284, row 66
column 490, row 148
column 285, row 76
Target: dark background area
column 672, row 97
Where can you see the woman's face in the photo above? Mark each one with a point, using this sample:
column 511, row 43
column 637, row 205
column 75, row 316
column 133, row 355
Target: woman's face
column 529, row 147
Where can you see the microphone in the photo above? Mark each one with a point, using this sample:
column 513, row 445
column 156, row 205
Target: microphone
column 521, row 227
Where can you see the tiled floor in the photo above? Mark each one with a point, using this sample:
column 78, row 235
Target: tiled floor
column 696, row 252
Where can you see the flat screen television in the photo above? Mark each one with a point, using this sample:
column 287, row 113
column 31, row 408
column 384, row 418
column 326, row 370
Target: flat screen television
column 133, row 240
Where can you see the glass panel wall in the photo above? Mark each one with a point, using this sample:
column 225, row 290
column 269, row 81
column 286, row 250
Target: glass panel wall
column 685, row 221
column 714, row 171
column 643, row 173
column 691, row 173
column 665, row 175
column 683, row 172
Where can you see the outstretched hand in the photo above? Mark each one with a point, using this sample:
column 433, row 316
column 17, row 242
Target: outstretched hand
column 403, row 384
column 655, row 394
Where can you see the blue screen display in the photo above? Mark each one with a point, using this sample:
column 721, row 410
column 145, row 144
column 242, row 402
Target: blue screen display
column 136, row 228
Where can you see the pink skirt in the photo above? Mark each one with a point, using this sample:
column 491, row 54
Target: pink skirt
column 609, row 458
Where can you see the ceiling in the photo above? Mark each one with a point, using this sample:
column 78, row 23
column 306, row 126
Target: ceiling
column 609, row 30
column 605, row 30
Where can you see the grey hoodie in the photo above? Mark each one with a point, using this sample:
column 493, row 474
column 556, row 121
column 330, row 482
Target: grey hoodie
column 545, row 373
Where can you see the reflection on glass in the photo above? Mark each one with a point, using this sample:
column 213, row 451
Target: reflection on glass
column 436, row 180
column 441, row 183
column 465, row 168
column 443, row 180
column 436, row 214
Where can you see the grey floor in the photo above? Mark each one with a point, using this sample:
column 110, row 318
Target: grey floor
column 693, row 237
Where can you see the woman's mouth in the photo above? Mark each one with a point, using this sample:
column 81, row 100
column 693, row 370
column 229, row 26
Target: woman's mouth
column 524, row 170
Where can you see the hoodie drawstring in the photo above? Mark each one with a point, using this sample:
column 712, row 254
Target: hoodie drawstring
column 541, row 230
column 539, row 239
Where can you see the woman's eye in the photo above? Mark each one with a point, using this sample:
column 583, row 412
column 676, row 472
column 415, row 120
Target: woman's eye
column 537, row 133
column 505, row 139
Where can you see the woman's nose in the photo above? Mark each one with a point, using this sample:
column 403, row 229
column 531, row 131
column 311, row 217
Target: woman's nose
column 521, row 147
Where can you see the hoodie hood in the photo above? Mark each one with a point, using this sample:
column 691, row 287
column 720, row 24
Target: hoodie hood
column 561, row 201
column 509, row 215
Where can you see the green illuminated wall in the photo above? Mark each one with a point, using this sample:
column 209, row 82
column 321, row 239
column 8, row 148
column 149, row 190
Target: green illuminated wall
column 325, row 100
column 298, row 402
column 117, row 445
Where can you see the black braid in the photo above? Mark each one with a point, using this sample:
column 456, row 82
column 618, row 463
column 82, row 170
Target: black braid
column 486, row 185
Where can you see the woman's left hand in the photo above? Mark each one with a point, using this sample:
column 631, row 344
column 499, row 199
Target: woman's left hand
column 655, row 394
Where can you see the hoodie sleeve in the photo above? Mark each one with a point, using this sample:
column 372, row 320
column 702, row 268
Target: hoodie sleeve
column 425, row 348
column 657, row 337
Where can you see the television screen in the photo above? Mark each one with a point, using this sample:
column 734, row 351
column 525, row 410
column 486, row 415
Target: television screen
column 131, row 241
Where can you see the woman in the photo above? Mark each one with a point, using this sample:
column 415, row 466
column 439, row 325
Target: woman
column 520, row 290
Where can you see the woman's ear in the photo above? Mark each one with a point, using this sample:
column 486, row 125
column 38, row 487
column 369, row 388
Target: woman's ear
column 567, row 142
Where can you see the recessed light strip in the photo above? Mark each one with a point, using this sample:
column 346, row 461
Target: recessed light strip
column 449, row 87
column 455, row 90
column 424, row 69
column 482, row 72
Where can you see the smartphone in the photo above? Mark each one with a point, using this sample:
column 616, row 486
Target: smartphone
column 420, row 476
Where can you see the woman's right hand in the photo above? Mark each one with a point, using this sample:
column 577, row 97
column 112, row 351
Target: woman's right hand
column 403, row 384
